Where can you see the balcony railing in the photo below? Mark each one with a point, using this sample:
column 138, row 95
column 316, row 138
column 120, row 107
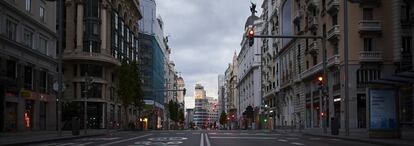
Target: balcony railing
column 370, row 56
column 313, row 23
column 367, row 2
column 313, row 48
column 298, row 16
column 333, row 60
column 367, row 26
column 333, row 33
column 333, row 6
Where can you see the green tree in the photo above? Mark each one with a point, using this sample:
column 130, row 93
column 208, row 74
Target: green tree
column 223, row 118
column 181, row 115
column 129, row 87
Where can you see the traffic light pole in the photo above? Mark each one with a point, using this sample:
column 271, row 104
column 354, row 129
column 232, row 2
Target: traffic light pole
column 325, row 93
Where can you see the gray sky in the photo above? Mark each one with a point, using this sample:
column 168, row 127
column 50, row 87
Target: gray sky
column 204, row 36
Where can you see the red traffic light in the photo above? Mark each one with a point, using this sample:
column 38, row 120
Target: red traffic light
column 322, row 114
column 251, row 32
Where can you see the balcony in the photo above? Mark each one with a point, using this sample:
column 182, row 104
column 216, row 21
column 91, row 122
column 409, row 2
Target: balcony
column 313, row 23
column 370, row 27
column 333, row 6
column 367, row 3
column 312, row 4
column 370, row 56
column 333, row 60
column 313, row 48
column 103, row 56
column 333, row 33
column 298, row 16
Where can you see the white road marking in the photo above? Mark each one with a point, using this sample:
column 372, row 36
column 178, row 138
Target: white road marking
column 261, row 138
column 124, row 140
column 335, row 139
column 296, row 143
column 212, row 133
column 282, row 140
column 64, row 144
column 202, row 140
column 244, row 133
column 179, row 133
column 207, row 140
column 227, row 133
column 292, row 138
column 49, row 144
column 83, row 144
column 196, row 133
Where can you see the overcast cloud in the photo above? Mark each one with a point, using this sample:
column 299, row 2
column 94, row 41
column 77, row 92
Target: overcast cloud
column 204, row 37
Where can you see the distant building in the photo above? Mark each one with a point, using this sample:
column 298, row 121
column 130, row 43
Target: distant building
column 189, row 117
column 201, row 112
column 213, row 114
column 221, row 90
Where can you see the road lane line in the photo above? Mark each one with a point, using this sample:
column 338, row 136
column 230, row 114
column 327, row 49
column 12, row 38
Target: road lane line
column 83, row 144
column 282, row 140
column 296, row 143
column 207, row 140
column 124, row 140
column 260, row 138
column 202, row 140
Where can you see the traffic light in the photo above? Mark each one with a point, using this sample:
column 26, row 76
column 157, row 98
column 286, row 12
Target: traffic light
column 322, row 114
column 184, row 90
column 250, row 35
column 265, row 120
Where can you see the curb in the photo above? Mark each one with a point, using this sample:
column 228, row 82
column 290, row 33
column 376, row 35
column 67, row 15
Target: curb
column 52, row 139
column 359, row 140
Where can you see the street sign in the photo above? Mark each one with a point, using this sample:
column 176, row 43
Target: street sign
column 56, row 87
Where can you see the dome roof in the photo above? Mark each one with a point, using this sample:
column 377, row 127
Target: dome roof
column 250, row 20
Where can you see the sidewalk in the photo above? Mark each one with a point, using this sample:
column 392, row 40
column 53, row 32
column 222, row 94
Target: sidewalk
column 360, row 135
column 30, row 137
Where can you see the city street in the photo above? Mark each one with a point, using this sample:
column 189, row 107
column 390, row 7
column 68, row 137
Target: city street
column 204, row 138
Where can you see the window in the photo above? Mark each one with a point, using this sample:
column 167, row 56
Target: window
column 92, row 47
column 315, row 59
column 95, row 90
column 28, row 77
column 42, row 13
column 28, row 5
column 335, row 20
column 368, row 14
column 42, row 81
column 367, row 44
column 336, row 49
column 11, row 30
column 11, row 69
column 43, row 45
column 92, row 70
column 406, row 45
column 28, row 38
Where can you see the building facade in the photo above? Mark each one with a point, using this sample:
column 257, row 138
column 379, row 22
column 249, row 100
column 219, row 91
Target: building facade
column 374, row 60
column 231, row 102
column 221, row 94
column 153, row 51
column 249, row 71
column 201, row 113
column 99, row 34
column 27, row 65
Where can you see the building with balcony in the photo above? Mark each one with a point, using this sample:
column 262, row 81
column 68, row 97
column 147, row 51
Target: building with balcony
column 380, row 55
column 27, row 65
column 98, row 35
column 248, row 73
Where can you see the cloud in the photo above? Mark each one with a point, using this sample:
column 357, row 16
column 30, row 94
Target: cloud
column 204, row 37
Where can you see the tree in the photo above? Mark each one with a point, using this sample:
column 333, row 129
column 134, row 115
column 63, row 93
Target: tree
column 223, row 118
column 129, row 86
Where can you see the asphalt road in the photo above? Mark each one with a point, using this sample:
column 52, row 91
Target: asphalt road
column 204, row 138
